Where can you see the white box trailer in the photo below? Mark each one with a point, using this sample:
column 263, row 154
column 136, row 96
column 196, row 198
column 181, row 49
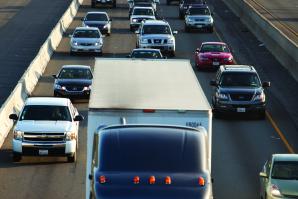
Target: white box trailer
column 146, row 92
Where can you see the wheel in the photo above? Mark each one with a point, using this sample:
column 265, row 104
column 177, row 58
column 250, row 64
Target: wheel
column 56, row 94
column 93, row 4
column 72, row 158
column 16, row 157
column 99, row 54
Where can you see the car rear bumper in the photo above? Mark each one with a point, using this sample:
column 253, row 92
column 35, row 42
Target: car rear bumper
column 67, row 148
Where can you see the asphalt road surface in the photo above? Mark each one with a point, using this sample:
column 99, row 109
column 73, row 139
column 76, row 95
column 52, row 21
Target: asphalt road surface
column 240, row 144
column 24, row 26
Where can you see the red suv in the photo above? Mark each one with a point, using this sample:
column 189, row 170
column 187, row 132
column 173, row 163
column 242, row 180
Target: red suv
column 213, row 54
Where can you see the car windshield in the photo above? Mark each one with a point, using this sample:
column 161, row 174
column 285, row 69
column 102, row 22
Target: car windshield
column 142, row 11
column 199, row 11
column 86, row 34
column 75, row 73
column 156, row 29
column 45, row 112
column 287, row 170
column 161, row 153
column 214, row 48
column 96, row 17
column 240, row 79
column 146, row 54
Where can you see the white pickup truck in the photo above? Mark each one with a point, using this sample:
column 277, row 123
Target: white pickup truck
column 159, row 92
column 46, row 126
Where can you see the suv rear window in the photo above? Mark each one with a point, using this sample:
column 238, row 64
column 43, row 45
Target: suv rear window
column 150, row 151
column 240, row 79
column 44, row 112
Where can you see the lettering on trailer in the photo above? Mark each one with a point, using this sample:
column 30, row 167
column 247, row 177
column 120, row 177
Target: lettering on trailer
column 193, row 124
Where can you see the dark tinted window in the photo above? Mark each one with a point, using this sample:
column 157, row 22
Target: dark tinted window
column 199, row 11
column 142, row 12
column 156, row 29
column 145, row 150
column 86, row 34
column 146, row 54
column 239, row 79
column 75, row 73
column 287, row 170
column 214, row 48
column 96, row 17
column 195, row 1
column 44, row 112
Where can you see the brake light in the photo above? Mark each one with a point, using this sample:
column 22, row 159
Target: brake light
column 136, row 180
column 102, row 179
column 149, row 110
column 152, row 180
column 168, row 180
column 201, row 181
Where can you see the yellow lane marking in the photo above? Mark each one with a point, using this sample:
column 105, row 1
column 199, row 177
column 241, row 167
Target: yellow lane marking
column 269, row 117
column 281, row 135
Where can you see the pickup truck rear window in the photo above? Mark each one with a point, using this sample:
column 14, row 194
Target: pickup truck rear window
column 150, row 151
column 44, row 112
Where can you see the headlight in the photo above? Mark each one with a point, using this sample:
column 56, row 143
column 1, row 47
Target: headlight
column 171, row 41
column 96, row 44
column 222, row 96
column 106, row 26
column 63, row 88
column 18, row 135
column 209, row 20
column 57, row 86
column 144, row 41
column 228, row 59
column 87, row 88
column 260, row 97
column 134, row 20
column 190, row 19
column 70, row 136
column 274, row 190
column 75, row 43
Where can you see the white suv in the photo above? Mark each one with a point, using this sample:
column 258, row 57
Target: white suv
column 156, row 34
column 46, row 126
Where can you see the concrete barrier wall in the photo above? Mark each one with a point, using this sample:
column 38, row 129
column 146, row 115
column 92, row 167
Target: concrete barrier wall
column 285, row 50
column 28, row 81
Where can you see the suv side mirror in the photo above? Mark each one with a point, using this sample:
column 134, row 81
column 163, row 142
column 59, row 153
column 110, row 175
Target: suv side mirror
column 54, row 76
column 263, row 175
column 266, row 84
column 79, row 118
column 13, row 116
column 175, row 32
column 213, row 83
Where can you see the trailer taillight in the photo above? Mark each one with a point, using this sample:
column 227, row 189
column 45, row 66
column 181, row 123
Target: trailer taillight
column 149, row 110
column 168, row 180
column 151, row 180
column 102, row 179
column 201, row 181
column 136, row 180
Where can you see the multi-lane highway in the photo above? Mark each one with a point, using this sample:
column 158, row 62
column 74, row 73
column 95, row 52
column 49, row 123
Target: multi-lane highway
column 240, row 145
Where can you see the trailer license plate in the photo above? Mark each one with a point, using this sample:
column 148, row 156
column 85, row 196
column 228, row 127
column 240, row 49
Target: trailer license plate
column 241, row 110
column 43, row 152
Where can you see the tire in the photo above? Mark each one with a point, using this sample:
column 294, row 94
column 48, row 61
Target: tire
column 72, row 158
column 93, row 4
column 72, row 53
column 56, row 94
column 16, row 157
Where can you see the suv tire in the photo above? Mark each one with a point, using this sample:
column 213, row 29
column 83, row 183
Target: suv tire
column 72, row 158
column 16, row 157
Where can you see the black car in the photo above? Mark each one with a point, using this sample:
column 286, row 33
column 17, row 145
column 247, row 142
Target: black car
column 73, row 81
column 147, row 161
column 100, row 20
column 238, row 89
column 185, row 4
column 145, row 53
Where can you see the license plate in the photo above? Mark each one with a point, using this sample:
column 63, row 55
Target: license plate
column 215, row 63
column 199, row 26
column 43, row 152
column 241, row 110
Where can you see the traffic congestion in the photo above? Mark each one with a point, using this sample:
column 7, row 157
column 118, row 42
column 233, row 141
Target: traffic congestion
column 126, row 156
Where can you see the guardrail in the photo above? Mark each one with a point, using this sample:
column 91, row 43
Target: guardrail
column 28, row 81
column 279, row 44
